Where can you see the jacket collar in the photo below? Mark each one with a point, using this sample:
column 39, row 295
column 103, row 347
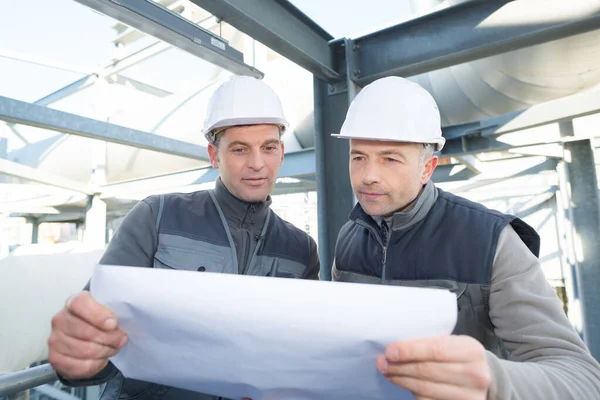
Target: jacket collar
column 404, row 219
column 240, row 211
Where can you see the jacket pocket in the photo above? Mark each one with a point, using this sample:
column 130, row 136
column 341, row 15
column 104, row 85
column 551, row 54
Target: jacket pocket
column 289, row 269
column 170, row 257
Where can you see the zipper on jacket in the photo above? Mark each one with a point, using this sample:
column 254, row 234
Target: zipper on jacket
column 259, row 243
column 383, row 277
column 250, row 209
column 377, row 236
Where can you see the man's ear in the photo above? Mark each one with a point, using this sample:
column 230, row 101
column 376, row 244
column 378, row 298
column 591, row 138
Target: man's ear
column 428, row 169
column 212, row 155
column 282, row 151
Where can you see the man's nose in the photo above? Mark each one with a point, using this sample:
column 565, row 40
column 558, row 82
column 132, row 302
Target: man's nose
column 371, row 174
column 256, row 161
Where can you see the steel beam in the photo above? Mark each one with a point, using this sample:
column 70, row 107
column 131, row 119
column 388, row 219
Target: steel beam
column 279, row 25
column 94, row 233
column 44, row 62
column 563, row 109
column 87, row 81
column 336, row 198
column 451, row 173
column 584, row 204
column 467, row 32
column 67, row 90
column 19, row 112
column 35, row 230
column 485, row 180
column 486, row 135
column 297, row 187
column 141, row 86
column 158, row 21
column 109, row 70
column 40, row 176
column 548, row 203
column 482, row 144
column 471, row 162
column 128, row 35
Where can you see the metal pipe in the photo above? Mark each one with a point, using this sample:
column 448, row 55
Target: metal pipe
column 19, row 381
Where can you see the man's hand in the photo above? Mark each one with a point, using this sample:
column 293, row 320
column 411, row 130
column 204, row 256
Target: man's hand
column 84, row 335
column 443, row 368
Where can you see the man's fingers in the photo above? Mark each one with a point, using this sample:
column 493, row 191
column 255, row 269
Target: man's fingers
column 73, row 368
column 85, row 307
column 72, row 326
column 459, row 374
column 450, row 348
column 80, row 349
column 438, row 391
column 84, row 335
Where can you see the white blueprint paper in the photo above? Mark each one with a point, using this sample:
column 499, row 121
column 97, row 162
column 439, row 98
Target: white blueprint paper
column 265, row 338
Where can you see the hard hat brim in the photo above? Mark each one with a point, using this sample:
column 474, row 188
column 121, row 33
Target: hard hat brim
column 439, row 143
column 248, row 121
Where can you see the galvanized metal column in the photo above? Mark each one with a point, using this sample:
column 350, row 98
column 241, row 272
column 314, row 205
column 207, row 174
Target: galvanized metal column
column 95, row 216
column 35, row 229
column 95, row 222
column 335, row 198
column 584, row 204
column 334, row 192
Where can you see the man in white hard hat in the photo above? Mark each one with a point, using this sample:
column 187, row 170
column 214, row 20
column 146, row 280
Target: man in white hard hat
column 512, row 339
column 230, row 229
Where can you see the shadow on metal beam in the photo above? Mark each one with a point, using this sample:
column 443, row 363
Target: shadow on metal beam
column 448, row 173
column 547, row 165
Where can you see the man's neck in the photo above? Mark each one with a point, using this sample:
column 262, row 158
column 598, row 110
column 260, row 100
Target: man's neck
column 408, row 207
column 240, row 211
column 412, row 212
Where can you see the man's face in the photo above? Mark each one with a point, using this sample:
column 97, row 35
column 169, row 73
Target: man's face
column 248, row 158
column 386, row 176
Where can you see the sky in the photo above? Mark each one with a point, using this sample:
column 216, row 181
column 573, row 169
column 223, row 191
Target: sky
column 67, row 32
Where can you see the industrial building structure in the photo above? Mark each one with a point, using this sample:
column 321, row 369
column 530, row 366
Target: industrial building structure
column 517, row 83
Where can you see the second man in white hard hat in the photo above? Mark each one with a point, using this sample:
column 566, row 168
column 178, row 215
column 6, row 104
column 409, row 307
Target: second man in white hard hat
column 230, row 229
column 512, row 339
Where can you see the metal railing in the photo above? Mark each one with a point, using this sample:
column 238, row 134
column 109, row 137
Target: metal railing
column 19, row 381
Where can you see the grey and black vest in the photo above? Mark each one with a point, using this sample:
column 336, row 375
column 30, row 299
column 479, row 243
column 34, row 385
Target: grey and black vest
column 193, row 234
column 453, row 248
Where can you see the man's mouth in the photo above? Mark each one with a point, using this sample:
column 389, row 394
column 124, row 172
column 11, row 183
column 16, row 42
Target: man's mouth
column 255, row 181
column 371, row 195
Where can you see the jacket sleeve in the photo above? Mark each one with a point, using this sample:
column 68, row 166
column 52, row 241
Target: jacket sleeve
column 136, row 239
column 314, row 264
column 547, row 359
column 133, row 244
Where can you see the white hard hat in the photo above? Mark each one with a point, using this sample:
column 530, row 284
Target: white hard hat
column 242, row 100
column 394, row 109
